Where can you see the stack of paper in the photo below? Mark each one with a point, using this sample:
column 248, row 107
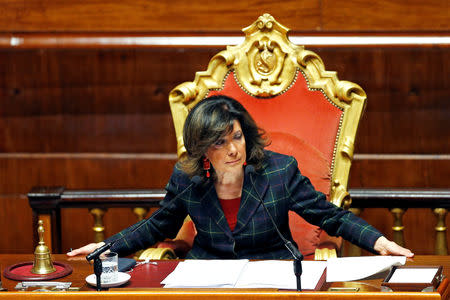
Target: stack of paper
column 357, row 268
column 274, row 273
column 205, row 273
column 243, row 274
column 413, row 275
column 280, row 274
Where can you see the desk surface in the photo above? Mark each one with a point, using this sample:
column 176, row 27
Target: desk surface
column 368, row 289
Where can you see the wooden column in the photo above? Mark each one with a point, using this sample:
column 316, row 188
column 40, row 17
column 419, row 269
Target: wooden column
column 99, row 229
column 441, row 231
column 140, row 212
column 398, row 225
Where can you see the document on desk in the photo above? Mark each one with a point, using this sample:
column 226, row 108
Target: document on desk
column 279, row 274
column 357, row 268
column 243, row 274
column 198, row 273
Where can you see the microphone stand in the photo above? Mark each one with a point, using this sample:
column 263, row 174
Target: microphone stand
column 298, row 257
column 98, row 268
column 95, row 255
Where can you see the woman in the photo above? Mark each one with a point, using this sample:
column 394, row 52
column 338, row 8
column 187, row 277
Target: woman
column 222, row 142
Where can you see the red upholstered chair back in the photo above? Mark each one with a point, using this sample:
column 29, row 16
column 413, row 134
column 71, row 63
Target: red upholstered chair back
column 299, row 122
column 306, row 111
column 302, row 123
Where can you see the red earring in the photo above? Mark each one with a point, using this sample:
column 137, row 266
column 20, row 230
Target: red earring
column 206, row 166
column 245, row 163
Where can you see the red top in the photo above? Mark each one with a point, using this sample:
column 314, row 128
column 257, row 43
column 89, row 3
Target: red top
column 230, row 209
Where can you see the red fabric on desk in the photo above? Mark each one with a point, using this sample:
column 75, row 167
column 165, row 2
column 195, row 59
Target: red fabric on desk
column 25, row 270
column 22, row 271
column 150, row 275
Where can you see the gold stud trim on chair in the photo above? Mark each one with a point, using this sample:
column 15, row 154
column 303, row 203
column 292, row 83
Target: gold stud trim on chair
column 157, row 253
column 324, row 254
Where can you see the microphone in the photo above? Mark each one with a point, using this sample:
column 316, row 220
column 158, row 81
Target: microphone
column 98, row 251
column 298, row 257
column 196, row 180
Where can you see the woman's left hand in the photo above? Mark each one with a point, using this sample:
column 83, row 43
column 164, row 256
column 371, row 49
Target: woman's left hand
column 387, row 247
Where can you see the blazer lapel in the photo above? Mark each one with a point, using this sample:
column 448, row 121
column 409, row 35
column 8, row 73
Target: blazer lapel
column 210, row 202
column 250, row 199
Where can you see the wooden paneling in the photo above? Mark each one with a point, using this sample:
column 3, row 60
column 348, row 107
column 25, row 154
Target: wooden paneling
column 15, row 224
column 417, row 131
column 408, row 92
column 20, row 173
column 152, row 16
column 116, row 100
column 180, row 16
column 94, row 81
column 385, row 15
column 425, row 173
column 152, row 133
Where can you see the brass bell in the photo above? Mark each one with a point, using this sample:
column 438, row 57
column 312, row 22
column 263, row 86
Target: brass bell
column 42, row 259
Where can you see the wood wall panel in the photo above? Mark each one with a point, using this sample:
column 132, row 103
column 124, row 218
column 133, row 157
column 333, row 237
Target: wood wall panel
column 139, row 80
column 385, row 15
column 152, row 16
column 15, row 224
column 401, row 173
column 94, row 81
column 120, row 92
column 410, row 131
column 125, row 98
column 180, row 16
column 19, row 174
column 123, row 133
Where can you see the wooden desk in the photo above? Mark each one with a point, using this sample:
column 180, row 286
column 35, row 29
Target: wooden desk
column 369, row 289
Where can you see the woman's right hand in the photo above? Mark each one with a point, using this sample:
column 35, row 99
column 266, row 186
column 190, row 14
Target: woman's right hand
column 85, row 250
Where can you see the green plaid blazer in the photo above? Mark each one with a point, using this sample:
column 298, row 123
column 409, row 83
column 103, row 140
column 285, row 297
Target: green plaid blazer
column 282, row 188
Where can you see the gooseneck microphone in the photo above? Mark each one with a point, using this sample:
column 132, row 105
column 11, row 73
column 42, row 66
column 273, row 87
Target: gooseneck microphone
column 298, row 257
column 99, row 251
column 95, row 255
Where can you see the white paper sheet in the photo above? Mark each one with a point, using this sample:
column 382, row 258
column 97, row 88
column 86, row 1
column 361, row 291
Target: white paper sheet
column 243, row 274
column 413, row 275
column 280, row 274
column 205, row 273
column 357, row 268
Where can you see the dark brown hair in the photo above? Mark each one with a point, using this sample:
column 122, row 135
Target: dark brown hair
column 210, row 120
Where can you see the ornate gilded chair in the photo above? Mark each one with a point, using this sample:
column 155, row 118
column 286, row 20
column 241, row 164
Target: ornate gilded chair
column 306, row 111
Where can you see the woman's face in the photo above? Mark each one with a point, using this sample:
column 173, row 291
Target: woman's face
column 228, row 153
